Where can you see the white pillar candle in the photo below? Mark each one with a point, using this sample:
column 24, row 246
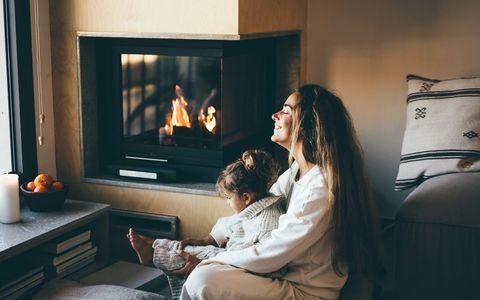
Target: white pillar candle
column 9, row 199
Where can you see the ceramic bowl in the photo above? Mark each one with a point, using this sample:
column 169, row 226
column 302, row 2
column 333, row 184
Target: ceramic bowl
column 48, row 201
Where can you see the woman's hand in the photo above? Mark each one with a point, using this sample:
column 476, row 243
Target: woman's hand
column 192, row 242
column 208, row 240
column 191, row 262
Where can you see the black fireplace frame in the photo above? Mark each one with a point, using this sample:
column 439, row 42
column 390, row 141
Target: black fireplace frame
column 118, row 157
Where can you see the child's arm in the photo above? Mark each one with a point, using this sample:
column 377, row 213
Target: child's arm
column 206, row 241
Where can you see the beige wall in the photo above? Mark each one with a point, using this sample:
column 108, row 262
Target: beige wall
column 146, row 16
column 364, row 49
column 197, row 213
column 271, row 15
column 275, row 15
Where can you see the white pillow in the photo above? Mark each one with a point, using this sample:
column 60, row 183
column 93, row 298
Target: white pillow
column 442, row 133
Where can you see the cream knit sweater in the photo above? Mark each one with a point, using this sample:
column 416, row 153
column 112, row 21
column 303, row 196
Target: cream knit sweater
column 251, row 226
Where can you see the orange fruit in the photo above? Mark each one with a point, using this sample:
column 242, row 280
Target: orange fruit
column 30, row 186
column 43, row 179
column 56, row 186
column 41, row 189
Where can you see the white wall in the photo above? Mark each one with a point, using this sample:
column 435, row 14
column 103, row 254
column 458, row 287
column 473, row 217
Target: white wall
column 364, row 49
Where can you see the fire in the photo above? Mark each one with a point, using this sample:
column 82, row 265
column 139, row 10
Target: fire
column 179, row 111
column 209, row 120
column 168, row 128
column 179, row 117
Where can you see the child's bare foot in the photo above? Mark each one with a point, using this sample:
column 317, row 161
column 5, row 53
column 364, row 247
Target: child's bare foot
column 147, row 239
column 142, row 246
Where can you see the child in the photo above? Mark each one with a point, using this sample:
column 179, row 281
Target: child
column 245, row 184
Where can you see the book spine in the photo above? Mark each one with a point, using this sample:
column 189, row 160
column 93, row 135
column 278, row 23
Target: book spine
column 22, row 285
column 73, row 241
column 76, row 267
column 16, row 280
column 21, row 294
column 57, row 260
column 57, row 247
column 76, row 259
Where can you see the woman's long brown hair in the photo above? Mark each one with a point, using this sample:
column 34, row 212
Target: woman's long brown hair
column 324, row 127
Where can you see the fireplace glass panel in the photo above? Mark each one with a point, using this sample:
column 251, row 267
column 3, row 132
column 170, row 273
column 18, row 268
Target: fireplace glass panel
column 171, row 100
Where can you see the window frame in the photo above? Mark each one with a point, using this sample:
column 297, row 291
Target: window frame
column 20, row 88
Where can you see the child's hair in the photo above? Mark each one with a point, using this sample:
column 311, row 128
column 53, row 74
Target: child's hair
column 255, row 173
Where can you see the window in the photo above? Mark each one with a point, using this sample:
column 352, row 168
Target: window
column 5, row 137
column 17, row 113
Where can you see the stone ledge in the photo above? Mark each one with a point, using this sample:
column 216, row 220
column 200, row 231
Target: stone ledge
column 196, row 188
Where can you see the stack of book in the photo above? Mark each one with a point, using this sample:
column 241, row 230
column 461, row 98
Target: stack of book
column 19, row 277
column 69, row 254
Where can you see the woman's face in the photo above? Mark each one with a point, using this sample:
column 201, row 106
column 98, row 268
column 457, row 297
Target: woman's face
column 283, row 122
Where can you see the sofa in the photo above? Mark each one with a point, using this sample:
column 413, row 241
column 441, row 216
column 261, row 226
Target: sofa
column 437, row 240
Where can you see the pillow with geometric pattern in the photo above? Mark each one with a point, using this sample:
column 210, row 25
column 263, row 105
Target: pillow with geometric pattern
column 442, row 133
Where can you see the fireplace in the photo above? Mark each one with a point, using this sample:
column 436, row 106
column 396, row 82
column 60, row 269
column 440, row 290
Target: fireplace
column 175, row 109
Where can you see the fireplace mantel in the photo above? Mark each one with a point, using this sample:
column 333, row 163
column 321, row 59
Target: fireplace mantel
column 188, row 36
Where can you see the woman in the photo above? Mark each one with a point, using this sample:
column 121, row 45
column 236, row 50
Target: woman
column 329, row 228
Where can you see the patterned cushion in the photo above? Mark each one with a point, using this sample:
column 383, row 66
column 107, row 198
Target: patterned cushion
column 442, row 129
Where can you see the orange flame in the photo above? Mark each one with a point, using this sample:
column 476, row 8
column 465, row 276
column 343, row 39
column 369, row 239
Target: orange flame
column 179, row 111
column 168, row 128
column 179, row 115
